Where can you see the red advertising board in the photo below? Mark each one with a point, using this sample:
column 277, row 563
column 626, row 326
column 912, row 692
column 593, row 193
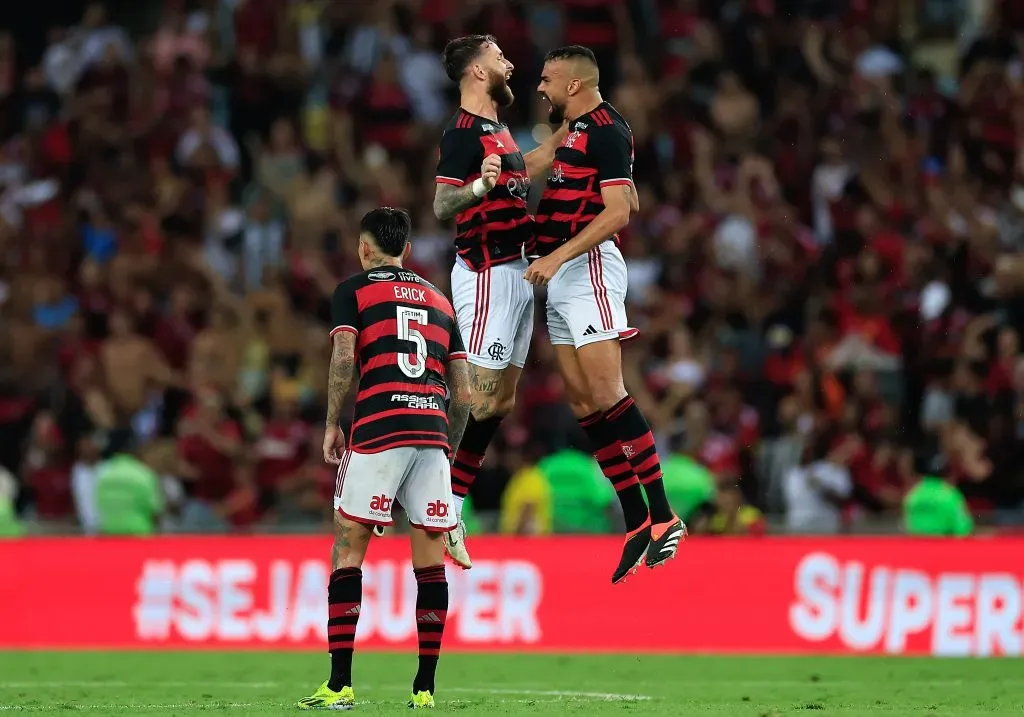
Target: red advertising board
column 896, row 596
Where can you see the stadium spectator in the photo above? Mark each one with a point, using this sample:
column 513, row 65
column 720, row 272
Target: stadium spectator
column 129, row 497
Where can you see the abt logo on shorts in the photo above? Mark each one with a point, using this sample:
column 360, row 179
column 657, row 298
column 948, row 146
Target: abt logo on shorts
column 437, row 512
column 381, row 504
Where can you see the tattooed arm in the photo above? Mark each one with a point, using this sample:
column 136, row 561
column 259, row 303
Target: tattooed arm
column 339, row 377
column 449, row 200
column 461, row 401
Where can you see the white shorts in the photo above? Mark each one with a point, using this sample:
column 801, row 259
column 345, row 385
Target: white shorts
column 494, row 310
column 419, row 477
column 587, row 299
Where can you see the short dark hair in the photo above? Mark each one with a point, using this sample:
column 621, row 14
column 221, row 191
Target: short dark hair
column 389, row 228
column 459, row 54
column 571, row 52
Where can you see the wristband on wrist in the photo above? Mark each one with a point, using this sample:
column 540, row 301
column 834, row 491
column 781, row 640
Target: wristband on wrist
column 478, row 188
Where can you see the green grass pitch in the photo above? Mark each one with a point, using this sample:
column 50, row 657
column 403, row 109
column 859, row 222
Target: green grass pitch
column 263, row 683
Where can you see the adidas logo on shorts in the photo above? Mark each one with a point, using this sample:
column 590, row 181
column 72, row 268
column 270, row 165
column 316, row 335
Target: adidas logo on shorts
column 590, row 330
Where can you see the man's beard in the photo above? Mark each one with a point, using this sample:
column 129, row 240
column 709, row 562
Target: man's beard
column 557, row 113
column 500, row 91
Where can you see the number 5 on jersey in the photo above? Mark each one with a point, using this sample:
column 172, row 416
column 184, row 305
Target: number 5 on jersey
column 408, row 319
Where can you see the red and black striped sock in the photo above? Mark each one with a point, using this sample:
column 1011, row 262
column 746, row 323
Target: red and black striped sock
column 470, row 455
column 609, row 455
column 344, row 595
column 431, row 615
column 630, row 427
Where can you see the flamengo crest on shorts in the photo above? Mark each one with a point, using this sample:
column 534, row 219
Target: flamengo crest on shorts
column 494, row 310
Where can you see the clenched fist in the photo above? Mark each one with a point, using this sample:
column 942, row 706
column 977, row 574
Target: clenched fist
column 490, row 170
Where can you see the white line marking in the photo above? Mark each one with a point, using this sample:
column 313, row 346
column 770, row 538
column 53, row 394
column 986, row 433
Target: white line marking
column 234, row 705
column 66, row 706
column 548, row 693
column 560, row 695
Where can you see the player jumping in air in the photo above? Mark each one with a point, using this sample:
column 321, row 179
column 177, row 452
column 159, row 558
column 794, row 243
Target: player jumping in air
column 483, row 181
column 400, row 332
column 588, row 198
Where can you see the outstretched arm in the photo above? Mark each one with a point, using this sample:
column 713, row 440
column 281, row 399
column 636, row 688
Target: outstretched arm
column 461, row 401
column 538, row 161
column 339, row 377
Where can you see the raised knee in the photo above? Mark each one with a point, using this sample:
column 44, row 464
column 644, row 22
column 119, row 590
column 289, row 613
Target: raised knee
column 486, row 388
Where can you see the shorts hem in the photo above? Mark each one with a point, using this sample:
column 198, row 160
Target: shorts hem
column 432, row 529
column 484, row 363
column 364, row 521
column 624, row 336
column 597, row 338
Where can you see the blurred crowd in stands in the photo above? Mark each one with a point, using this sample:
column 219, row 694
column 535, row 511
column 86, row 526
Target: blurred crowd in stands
column 826, row 266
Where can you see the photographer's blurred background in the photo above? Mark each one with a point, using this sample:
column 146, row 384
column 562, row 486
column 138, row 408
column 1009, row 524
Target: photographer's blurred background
column 826, row 266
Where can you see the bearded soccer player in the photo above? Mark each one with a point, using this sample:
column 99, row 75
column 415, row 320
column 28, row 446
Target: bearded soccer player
column 482, row 181
column 398, row 331
column 589, row 197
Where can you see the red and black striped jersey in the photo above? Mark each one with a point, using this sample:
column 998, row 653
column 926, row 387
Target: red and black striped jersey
column 597, row 153
column 494, row 230
column 405, row 336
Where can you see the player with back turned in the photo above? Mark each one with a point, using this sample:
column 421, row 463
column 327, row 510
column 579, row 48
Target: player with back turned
column 483, row 180
column 589, row 197
column 398, row 332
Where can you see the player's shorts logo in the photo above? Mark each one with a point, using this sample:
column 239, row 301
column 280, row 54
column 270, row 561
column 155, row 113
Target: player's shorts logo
column 381, row 503
column 496, row 351
column 437, row 509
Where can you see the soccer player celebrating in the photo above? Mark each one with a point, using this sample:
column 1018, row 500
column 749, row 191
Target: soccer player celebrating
column 483, row 181
column 410, row 357
column 588, row 198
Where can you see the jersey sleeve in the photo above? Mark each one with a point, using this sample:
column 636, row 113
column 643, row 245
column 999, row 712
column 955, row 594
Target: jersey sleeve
column 612, row 151
column 345, row 309
column 458, row 157
column 456, row 349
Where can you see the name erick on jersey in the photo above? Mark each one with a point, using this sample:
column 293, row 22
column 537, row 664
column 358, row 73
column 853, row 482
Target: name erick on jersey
column 494, row 230
column 597, row 153
column 405, row 336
